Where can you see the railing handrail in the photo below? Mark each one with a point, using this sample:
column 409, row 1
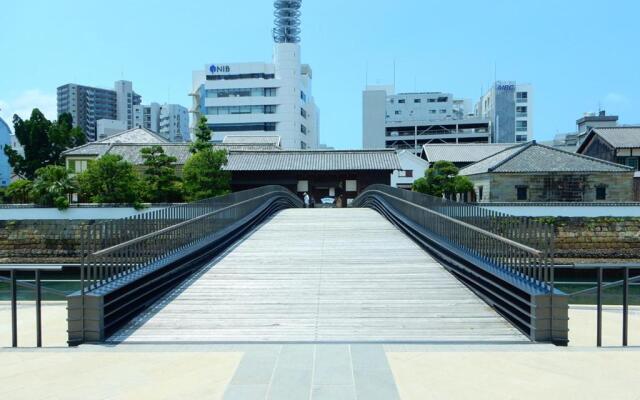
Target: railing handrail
column 175, row 226
column 492, row 235
column 118, row 237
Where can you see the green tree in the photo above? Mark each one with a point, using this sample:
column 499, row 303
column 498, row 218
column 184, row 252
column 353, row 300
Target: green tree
column 442, row 179
column 162, row 185
column 42, row 141
column 203, row 175
column 110, row 179
column 203, row 136
column 18, row 191
column 53, row 187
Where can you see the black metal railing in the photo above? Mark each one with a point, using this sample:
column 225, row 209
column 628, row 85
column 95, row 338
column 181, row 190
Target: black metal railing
column 600, row 286
column 507, row 261
column 14, row 284
column 115, row 248
column 520, row 245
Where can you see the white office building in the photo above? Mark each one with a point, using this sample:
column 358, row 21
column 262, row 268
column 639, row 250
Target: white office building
column 170, row 121
column 174, row 123
column 262, row 98
column 509, row 107
column 147, row 116
column 407, row 121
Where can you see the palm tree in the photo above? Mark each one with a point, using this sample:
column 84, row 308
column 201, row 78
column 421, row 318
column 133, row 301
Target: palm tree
column 53, row 187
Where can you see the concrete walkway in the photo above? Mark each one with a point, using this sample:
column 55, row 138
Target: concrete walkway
column 322, row 275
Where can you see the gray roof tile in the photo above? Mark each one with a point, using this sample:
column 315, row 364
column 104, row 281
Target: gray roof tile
column 537, row 158
column 458, row 153
column 620, row 136
column 135, row 135
column 313, row 160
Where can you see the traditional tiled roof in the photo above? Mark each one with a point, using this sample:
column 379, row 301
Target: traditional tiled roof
column 249, row 139
column 314, row 160
column 89, row 149
column 619, row 137
column 462, row 153
column 136, row 135
column 131, row 151
column 536, row 158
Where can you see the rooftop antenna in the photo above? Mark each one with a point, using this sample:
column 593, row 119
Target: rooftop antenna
column 495, row 71
column 366, row 74
column 394, row 74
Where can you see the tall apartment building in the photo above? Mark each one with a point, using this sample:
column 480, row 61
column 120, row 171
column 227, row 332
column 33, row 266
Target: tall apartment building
column 254, row 98
column 126, row 99
column 88, row 104
column 509, row 107
column 170, row 121
column 411, row 120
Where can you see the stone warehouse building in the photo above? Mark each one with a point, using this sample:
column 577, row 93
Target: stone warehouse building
column 620, row 144
column 536, row 173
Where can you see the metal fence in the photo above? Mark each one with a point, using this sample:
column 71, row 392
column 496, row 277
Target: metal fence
column 14, row 283
column 519, row 245
column 600, row 286
column 115, row 248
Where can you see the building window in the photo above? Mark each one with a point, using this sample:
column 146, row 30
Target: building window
column 251, row 126
column 270, row 109
column 632, row 162
column 398, row 112
column 303, row 129
column 522, row 193
column 431, row 100
column 432, row 111
column 480, row 192
column 407, row 173
column 351, row 185
column 601, row 192
column 417, row 100
column 303, row 145
column 521, row 138
column 442, row 99
column 303, row 112
column 521, row 111
column 401, row 101
column 303, row 96
column 270, row 92
column 521, row 126
column 522, row 97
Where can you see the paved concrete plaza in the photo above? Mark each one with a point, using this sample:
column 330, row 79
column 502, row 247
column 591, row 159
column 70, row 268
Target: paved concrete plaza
column 319, row 371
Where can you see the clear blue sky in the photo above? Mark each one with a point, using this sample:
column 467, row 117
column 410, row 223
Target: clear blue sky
column 577, row 54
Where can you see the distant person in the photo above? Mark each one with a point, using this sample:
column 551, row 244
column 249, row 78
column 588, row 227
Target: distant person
column 305, row 198
column 312, row 202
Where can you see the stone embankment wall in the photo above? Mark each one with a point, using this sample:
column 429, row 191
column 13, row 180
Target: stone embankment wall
column 597, row 238
column 58, row 241
column 41, row 241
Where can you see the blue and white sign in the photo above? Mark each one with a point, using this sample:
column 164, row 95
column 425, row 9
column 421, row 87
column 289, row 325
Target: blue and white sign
column 214, row 69
column 507, row 86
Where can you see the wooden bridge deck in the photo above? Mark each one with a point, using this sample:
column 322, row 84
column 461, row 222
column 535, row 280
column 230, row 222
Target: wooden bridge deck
column 322, row 275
